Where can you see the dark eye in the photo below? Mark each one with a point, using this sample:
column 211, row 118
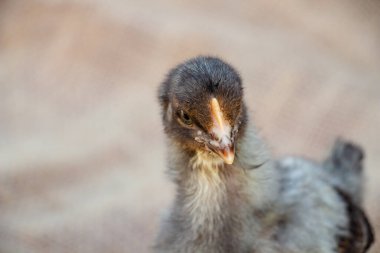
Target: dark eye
column 185, row 118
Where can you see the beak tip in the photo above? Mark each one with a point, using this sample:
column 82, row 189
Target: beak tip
column 229, row 163
column 229, row 158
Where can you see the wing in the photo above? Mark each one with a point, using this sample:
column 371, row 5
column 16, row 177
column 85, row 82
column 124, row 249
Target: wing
column 360, row 233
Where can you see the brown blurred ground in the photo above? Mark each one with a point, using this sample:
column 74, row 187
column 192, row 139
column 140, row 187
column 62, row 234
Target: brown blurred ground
column 81, row 146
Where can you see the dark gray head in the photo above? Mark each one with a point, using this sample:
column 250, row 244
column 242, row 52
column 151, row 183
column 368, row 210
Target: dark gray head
column 202, row 105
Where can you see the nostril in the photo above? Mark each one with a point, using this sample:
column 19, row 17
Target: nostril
column 214, row 137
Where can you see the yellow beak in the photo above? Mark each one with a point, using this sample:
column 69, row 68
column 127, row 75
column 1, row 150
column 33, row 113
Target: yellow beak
column 221, row 129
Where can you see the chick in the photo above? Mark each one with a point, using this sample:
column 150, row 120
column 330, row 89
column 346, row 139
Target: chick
column 231, row 195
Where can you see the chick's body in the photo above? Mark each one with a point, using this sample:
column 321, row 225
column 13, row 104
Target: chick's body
column 231, row 196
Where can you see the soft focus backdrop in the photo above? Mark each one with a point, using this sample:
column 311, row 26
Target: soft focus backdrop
column 82, row 154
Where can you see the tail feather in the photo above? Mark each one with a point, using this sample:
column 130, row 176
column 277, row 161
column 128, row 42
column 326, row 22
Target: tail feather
column 345, row 165
column 360, row 236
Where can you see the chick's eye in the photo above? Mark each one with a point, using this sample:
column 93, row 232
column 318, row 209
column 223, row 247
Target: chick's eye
column 185, row 118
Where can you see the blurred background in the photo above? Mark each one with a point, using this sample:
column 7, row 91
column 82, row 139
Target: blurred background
column 82, row 153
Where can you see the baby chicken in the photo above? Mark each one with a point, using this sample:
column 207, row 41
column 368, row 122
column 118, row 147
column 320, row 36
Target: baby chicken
column 231, row 195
